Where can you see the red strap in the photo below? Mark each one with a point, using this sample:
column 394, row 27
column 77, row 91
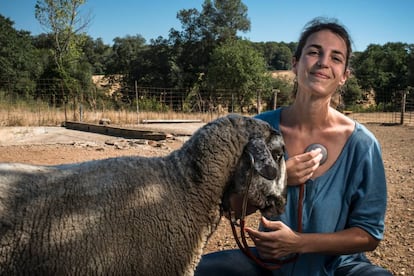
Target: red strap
column 271, row 264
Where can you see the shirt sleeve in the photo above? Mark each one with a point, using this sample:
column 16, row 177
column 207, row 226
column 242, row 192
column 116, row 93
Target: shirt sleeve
column 369, row 200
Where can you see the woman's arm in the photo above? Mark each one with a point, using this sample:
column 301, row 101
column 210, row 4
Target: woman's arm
column 281, row 241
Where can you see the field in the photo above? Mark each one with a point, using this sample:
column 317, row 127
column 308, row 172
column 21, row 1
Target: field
column 58, row 146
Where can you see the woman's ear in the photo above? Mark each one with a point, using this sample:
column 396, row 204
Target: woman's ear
column 345, row 77
column 294, row 63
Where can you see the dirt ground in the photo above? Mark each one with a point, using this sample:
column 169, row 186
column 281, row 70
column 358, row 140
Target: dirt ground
column 57, row 146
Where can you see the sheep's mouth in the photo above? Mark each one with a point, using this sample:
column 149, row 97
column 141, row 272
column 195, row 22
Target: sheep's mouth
column 270, row 207
column 274, row 206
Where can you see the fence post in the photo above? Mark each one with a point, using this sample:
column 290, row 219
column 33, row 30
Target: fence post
column 136, row 96
column 9, row 106
column 232, row 102
column 80, row 112
column 65, row 100
column 403, row 102
column 75, row 103
column 275, row 91
column 66, row 114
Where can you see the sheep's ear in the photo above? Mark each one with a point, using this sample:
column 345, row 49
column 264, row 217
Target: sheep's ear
column 261, row 158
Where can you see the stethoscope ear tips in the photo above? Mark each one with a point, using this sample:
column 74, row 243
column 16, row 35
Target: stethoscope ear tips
column 324, row 151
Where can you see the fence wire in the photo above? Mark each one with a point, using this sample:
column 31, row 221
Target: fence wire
column 52, row 102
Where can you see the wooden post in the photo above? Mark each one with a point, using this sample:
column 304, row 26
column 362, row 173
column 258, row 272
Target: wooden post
column 275, row 91
column 65, row 100
column 136, row 98
column 232, row 102
column 80, row 112
column 403, row 102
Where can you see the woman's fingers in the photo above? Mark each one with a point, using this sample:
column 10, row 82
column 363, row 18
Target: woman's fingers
column 301, row 167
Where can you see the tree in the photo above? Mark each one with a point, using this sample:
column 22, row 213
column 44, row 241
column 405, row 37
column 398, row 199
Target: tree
column 125, row 50
column 351, row 93
column 19, row 62
column 278, row 56
column 227, row 18
column 411, row 65
column 237, row 66
column 97, row 54
column 62, row 19
column 383, row 69
column 282, row 59
column 218, row 22
column 154, row 66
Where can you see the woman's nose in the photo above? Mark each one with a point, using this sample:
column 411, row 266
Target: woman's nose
column 322, row 61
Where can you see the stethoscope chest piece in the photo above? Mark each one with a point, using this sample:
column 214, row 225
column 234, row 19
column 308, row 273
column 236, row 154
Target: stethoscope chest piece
column 324, row 151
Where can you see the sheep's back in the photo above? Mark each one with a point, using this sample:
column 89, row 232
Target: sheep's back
column 96, row 208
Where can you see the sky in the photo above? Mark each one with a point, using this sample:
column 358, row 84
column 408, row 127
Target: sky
column 368, row 21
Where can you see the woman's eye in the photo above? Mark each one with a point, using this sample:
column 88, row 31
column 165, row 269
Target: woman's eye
column 337, row 59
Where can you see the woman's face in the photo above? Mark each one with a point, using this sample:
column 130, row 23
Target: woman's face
column 321, row 67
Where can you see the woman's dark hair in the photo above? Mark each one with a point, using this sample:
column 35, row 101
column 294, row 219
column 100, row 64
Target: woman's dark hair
column 319, row 24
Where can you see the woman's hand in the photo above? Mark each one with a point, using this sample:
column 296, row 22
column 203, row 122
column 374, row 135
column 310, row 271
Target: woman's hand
column 281, row 241
column 301, row 167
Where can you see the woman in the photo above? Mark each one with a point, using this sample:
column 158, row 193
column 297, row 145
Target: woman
column 344, row 198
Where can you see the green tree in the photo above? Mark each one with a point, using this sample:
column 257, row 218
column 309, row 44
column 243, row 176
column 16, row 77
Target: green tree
column 410, row 62
column 282, row 59
column 351, row 93
column 154, row 66
column 278, row 56
column 62, row 19
column 97, row 54
column 218, row 22
column 20, row 64
column 124, row 51
column 227, row 17
column 383, row 69
column 237, row 66
column 410, row 88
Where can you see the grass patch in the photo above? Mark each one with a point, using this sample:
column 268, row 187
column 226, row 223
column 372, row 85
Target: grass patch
column 45, row 116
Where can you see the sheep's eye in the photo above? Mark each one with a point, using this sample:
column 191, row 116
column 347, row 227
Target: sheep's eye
column 277, row 156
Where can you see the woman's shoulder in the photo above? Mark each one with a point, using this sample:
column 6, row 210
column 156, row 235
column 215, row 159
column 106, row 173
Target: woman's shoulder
column 269, row 113
column 363, row 142
column 354, row 128
column 271, row 116
column 362, row 132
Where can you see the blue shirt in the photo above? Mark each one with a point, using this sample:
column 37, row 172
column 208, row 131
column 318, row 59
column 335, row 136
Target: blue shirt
column 352, row 193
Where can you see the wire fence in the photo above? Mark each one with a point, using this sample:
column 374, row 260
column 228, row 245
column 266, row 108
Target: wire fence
column 51, row 102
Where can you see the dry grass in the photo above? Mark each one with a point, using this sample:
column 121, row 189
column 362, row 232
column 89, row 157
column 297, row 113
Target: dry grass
column 383, row 118
column 45, row 116
column 16, row 116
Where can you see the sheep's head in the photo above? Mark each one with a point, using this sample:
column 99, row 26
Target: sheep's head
column 261, row 170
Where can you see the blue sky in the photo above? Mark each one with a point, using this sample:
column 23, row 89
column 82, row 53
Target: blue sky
column 369, row 21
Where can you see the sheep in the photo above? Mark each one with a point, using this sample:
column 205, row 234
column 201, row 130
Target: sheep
column 137, row 215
